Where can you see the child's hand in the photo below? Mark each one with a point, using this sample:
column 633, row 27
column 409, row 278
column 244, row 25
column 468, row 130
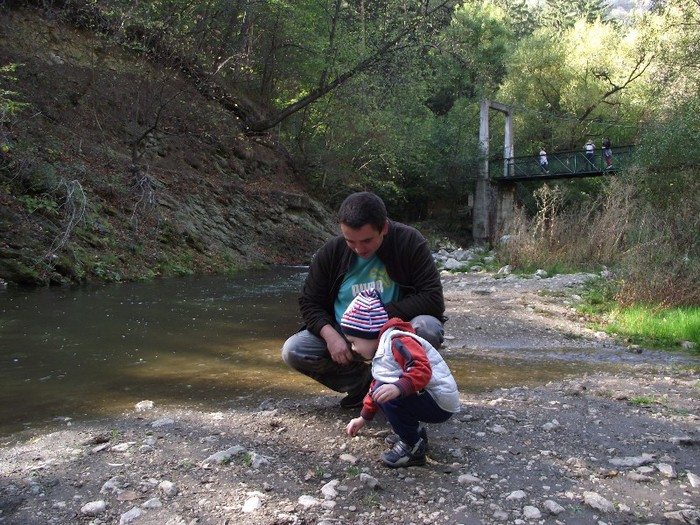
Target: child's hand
column 385, row 392
column 355, row 425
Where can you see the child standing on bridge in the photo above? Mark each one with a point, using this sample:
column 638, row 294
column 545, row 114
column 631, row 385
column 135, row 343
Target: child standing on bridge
column 607, row 153
column 411, row 381
column 543, row 160
column 590, row 152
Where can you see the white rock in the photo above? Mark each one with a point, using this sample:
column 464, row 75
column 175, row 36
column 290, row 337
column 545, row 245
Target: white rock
column 369, row 481
column 93, row 508
column 130, row 516
column 307, row 501
column 633, row 461
column 252, row 504
column 531, row 513
column 163, row 422
column 168, row 488
column 349, row 458
column 598, row 502
column 468, row 478
column 551, row 425
column 451, row 264
column 225, row 455
column 667, row 470
column 553, row 507
column 112, row 485
column 684, row 516
column 121, row 447
column 516, row 495
column 153, row 503
column 638, row 477
column 498, row 429
column 693, row 479
column 505, row 270
column 329, row 491
column 257, row 461
column 142, row 406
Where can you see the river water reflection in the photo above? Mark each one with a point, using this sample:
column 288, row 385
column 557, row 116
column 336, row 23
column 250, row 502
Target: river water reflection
column 204, row 341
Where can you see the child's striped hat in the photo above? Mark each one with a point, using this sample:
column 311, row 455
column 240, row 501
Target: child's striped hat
column 365, row 316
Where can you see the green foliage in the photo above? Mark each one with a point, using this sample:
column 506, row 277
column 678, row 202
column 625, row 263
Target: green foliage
column 43, row 203
column 9, row 106
column 105, row 268
column 406, row 124
column 654, row 326
column 647, row 400
column 521, row 18
column 564, row 14
column 469, row 57
column 353, row 471
column 573, row 84
column 668, row 327
column 671, row 143
column 599, row 296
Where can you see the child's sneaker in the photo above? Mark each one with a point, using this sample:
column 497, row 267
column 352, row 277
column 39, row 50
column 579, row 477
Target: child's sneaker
column 403, row 455
column 393, row 439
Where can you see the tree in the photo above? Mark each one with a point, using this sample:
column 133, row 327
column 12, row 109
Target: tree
column 9, row 106
column 468, row 58
column 564, row 14
column 575, row 80
column 334, row 73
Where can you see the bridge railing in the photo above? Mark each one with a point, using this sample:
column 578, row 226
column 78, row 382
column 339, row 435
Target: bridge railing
column 561, row 164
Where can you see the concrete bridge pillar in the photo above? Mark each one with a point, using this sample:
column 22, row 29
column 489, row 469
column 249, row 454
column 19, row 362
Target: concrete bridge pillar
column 505, row 206
column 492, row 205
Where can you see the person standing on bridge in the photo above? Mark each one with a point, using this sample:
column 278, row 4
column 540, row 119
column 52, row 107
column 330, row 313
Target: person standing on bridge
column 371, row 253
column 607, row 153
column 590, row 152
column 544, row 163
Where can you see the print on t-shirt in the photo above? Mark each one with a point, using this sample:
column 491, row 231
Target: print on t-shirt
column 365, row 274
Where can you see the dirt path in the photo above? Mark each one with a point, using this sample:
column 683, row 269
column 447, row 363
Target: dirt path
column 617, row 448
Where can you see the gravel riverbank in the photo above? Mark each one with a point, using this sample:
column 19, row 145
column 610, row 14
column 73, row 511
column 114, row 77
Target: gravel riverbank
column 601, row 448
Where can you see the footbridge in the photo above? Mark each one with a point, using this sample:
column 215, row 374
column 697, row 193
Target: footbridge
column 494, row 193
column 560, row 165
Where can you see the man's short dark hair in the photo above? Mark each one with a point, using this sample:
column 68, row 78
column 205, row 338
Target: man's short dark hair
column 363, row 208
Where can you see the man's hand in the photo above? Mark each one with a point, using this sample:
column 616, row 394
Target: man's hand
column 338, row 347
column 355, row 425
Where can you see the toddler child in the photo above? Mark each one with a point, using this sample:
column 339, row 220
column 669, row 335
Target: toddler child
column 411, row 381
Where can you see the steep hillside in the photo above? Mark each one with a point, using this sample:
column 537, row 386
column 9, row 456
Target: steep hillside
column 118, row 169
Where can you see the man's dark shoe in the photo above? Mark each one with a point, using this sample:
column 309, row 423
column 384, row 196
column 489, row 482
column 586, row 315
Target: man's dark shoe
column 393, row 439
column 354, row 400
column 403, row 455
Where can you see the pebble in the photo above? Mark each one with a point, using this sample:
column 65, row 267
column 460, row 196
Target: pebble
column 597, row 502
column 93, row 508
column 130, row 516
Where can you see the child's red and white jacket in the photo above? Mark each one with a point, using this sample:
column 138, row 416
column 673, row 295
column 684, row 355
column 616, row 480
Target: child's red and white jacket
column 412, row 364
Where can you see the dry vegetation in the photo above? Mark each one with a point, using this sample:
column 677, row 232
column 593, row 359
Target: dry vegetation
column 653, row 249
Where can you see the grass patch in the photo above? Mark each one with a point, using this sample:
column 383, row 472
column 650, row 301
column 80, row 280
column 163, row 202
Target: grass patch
column 647, row 400
column 599, row 296
column 662, row 327
column 654, row 326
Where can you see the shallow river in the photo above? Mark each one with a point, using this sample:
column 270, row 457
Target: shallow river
column 206, row 341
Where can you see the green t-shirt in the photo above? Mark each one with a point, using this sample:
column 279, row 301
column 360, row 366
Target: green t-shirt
column 365, row 275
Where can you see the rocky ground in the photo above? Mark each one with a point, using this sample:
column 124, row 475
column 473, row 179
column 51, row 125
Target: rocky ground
column 602, row 448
